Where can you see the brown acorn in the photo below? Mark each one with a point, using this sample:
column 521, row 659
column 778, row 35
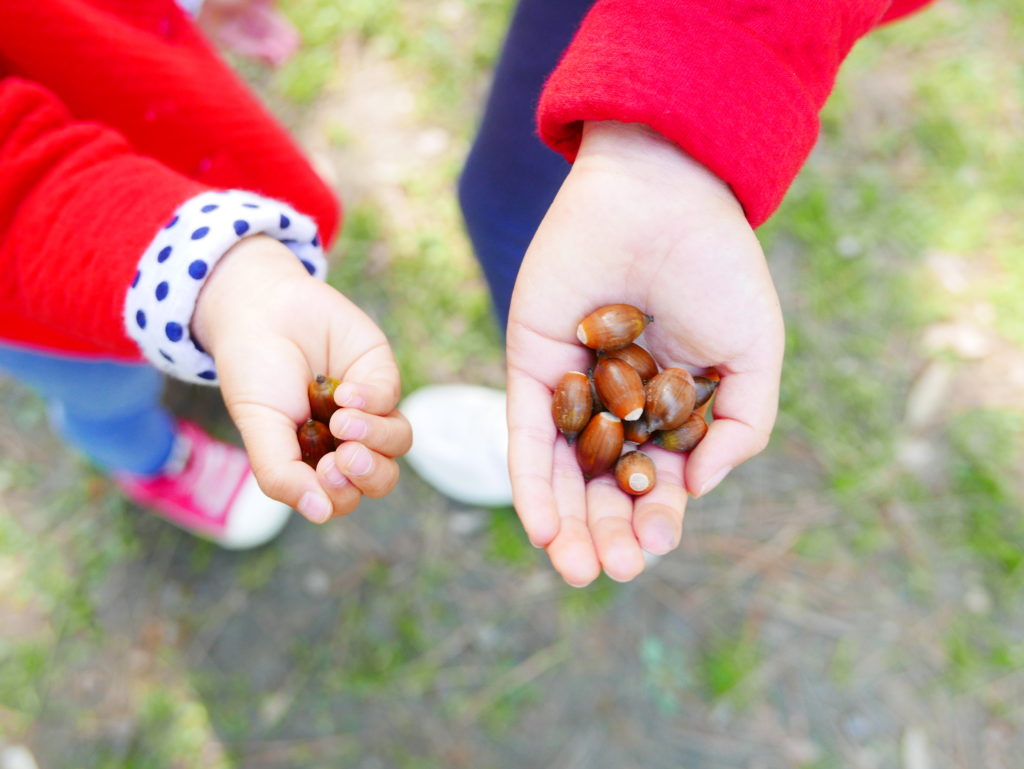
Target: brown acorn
column 321, row 398
column 635, row 473
column 637, row 357
column 620, row 388
column 572, row 404
column 683, row 438
column 612, row 326
column 594, row 395
column 669, row 399
column 636, row 431
column 599, row 444
column 315, row 440
column 705, row 387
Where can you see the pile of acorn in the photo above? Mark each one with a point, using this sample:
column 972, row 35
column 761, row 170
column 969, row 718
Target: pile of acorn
column 625, row 397
column 315, row 437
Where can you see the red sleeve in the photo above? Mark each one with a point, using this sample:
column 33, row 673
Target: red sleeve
column 737, row 84
column 77, row 208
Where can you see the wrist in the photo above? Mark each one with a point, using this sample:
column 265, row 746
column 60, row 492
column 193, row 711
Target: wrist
column 245, row 277
column 650, row 155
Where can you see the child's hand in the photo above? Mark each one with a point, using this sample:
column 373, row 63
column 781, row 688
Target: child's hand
column 271, row 328
column 637, row 221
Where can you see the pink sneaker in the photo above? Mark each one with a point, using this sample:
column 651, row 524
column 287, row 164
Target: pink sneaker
column 213, row 494
column 252, row 28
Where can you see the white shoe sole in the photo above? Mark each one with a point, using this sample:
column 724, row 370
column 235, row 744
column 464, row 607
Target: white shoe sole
column 460, row 442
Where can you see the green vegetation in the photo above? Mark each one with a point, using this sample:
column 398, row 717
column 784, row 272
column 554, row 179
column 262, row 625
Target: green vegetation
column 399, row 643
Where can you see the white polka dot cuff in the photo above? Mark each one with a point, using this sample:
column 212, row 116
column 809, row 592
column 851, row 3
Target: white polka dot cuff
column 159, row 305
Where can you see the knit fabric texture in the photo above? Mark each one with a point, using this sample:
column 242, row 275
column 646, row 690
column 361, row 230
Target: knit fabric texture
column 737, row 85
column 114, row 113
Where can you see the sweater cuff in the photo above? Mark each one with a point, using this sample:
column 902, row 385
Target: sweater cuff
column 159, row 304
column 701, row 80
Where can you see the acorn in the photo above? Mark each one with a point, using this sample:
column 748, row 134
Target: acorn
column 669, row 399
column 315, row 440
column 637, row 431
column 321, row 397
column 683, row 438
column 599, row 444
column 637, row 357
column 635, row 473
column 572, row 404
column 612, row 326
column 620, row 388
column 705, row 387
column 594, row 395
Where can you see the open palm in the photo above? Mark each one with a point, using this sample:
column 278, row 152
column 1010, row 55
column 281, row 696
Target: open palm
column 637, row 221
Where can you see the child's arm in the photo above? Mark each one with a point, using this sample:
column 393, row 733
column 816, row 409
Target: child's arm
column 108, row 248
column 687, row 120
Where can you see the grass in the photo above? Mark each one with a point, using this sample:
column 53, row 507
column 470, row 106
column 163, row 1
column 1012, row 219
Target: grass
column 920, row 156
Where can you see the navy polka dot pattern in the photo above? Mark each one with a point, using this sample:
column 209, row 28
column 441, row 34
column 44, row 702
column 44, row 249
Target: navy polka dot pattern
column 159, row 305
column 174, row 331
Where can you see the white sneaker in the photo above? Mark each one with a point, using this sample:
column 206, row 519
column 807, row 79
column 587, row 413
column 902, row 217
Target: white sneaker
column 460, row 442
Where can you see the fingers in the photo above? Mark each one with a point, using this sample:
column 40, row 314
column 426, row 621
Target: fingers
column 341, row 478
column 371, row 384
column 604, row 528
column 353, row 471
column 273, row 449
column 530, row 449
column 344, row 496
column 572, row 551
column 610, row 514
column 744, row 411
column 372, row 473
column 390, row 435
column 658, row 515
column 585, row 527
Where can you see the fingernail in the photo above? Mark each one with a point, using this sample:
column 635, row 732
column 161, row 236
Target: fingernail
column 346, row 394
column 714, row 481
column 360, row 462
column 334, row 477
column 315, row 507
column 352, row 429
column 659, row 537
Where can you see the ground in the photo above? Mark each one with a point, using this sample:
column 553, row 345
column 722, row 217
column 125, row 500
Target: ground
column 847, row 599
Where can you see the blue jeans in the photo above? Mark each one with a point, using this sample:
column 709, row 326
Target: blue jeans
column 511, row 177
column 112, row 412
column 109, row 411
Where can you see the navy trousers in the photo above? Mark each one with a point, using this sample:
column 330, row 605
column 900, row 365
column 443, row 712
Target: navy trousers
column 510, row 177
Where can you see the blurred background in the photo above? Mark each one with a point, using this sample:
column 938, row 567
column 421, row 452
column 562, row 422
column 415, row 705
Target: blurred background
column 851, row 598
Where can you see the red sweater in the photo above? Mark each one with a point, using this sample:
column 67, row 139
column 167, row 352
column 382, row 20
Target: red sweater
column 114, row 112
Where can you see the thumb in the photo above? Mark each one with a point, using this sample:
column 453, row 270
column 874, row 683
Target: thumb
column 744, row 412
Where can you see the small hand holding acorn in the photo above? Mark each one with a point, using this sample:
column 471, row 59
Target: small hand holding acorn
column 271, row 328
column 351, row 450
